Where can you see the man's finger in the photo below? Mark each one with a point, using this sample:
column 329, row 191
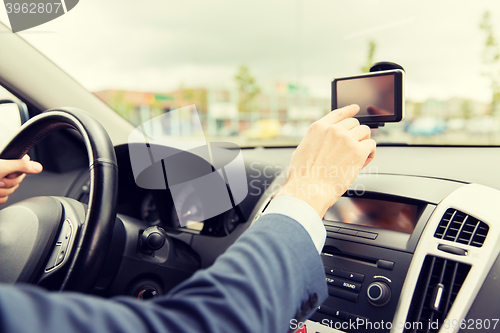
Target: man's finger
column 17, row 174
column 370, row 147
column 361, row 132
column 5, row 192
column 348, row 123
column 14, row 175
column 340, row 114
column 8, row 183
column 369, row 159
column 19, row 166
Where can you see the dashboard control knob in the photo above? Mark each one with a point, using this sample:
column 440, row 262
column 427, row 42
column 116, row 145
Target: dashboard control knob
column 146, row 289
column 153, row 238
column 378, row 293
column 147, row 293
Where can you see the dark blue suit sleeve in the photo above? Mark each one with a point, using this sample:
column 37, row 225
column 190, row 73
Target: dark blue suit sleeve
column 271, row 274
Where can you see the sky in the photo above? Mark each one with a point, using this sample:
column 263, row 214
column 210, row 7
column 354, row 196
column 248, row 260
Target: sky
column 157, row 45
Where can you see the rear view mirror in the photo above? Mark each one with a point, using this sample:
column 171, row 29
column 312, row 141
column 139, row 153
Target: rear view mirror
column 12, row 115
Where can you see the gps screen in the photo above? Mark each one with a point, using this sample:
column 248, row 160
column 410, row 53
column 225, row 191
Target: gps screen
column 374, row 95
column 375, row 213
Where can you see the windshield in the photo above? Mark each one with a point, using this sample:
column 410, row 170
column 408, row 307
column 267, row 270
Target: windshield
column 260, row 72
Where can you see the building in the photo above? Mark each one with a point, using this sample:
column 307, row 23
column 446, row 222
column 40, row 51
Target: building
column 281, row 110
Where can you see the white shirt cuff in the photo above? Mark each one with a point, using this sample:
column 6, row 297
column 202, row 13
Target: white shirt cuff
column 303, row 213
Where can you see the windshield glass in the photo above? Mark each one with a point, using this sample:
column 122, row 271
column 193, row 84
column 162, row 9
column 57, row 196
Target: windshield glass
column 260, row 72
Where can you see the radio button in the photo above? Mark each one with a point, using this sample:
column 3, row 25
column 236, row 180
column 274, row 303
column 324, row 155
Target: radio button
column 333, row 271
column 333, row 281
column 343, row 294
column 385, row 264
column 351, row 286
column 324, row 309
column 353, row 276
column 342, row 315
column 378, row 293
column 360, row 321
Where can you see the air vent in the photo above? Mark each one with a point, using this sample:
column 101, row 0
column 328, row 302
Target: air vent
column 437, row 287
column 459, row 227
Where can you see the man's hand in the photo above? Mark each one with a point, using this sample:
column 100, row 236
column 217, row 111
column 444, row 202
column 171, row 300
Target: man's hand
column 12, row 173
column 328, row 159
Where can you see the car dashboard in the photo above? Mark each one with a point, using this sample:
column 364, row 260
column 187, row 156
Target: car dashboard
column 407, row 250
column 412, row 246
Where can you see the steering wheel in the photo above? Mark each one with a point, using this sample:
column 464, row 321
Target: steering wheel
column 56, row 236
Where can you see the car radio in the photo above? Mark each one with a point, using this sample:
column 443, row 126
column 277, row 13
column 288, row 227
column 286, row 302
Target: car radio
column 370, row 244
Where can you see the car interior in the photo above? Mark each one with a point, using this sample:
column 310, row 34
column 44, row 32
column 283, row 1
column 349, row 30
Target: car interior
column 412, row 246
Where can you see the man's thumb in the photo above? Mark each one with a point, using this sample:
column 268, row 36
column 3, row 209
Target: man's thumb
column 20, row 166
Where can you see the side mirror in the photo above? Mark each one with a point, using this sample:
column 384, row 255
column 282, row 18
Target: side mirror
column 12, row 115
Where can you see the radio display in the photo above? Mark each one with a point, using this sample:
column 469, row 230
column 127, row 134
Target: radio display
column 375, row 213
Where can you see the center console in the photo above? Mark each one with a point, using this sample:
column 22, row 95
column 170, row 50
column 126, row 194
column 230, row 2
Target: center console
column 367, row 254
column 408, row 254
column 409, row 264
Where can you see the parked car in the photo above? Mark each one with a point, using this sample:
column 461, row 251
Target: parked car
column 483, row 125
column 426, row 126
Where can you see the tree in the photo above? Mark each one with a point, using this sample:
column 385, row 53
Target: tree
column 248, row 90
column 118, row 102
column 491, row 60
column 187, row 96
column 372, row 47
column 466, row 109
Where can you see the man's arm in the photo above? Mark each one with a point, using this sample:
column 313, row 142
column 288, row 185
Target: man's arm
column 273, row 273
